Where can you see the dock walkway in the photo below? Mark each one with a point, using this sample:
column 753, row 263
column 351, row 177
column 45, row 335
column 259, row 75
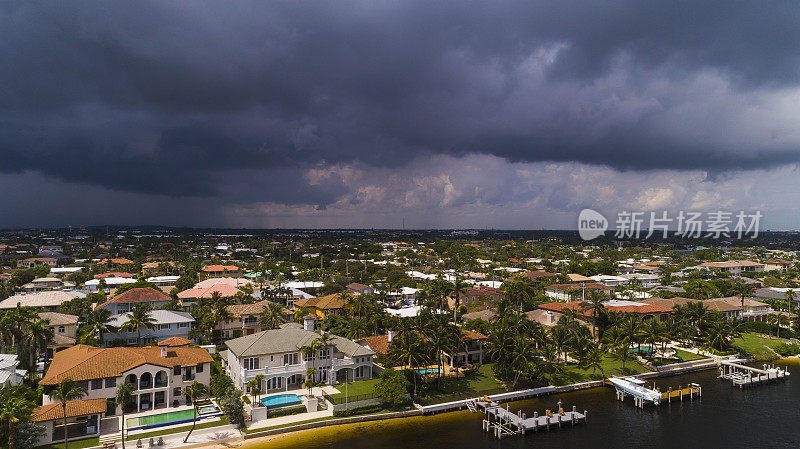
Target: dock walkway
column 503, row 422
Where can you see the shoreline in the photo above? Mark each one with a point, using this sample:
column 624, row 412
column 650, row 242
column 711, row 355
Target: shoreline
column 261, row 437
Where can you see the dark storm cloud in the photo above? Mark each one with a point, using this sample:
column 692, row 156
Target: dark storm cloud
column 177, row 98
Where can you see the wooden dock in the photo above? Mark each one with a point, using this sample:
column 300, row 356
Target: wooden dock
column 503, row 422
column 747, row 376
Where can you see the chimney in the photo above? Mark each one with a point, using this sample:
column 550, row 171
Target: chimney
column 390, row 335
column 308, row 323
column 164, row 351
column 551, row 318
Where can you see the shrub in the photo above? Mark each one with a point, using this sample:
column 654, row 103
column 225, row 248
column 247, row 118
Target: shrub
column 392, row 387
column 286, row 411
column 787, row 349
column 233, row 406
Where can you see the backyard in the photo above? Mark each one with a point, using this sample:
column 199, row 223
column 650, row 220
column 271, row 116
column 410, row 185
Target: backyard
column 481, row 381
column 356, row 391
column 610, row 367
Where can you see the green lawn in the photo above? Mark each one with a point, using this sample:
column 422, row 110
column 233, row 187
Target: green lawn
column 76, row 444
column 679, row 357
column 356, row 388
column 474, row 384
column 757, row 345
column 611, row 367
column 157, row 433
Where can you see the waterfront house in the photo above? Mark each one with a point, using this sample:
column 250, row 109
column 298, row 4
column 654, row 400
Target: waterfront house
column 159, row 374
column 278, row 355
column 83, row 420
column 469, row 352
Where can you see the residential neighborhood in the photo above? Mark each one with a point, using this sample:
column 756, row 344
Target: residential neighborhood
column 128, row 337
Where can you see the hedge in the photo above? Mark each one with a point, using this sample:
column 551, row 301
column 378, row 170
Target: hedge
column 286, row 411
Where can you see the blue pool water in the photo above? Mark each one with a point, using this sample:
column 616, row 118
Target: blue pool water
column 281, row 400
column 428, row 370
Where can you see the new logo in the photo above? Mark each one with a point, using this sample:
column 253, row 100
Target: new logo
column 591, row 224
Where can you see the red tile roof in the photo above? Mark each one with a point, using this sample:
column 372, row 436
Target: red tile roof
column 81, row 407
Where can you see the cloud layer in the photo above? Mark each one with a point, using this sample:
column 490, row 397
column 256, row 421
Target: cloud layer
column 262, row 109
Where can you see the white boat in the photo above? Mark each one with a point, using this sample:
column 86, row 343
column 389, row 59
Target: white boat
column 635, row 387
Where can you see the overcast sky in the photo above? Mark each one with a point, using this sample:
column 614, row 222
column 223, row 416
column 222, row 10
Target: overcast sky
column 364, row 114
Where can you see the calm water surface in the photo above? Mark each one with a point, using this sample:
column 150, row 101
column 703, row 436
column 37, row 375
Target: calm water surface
column 762, row 417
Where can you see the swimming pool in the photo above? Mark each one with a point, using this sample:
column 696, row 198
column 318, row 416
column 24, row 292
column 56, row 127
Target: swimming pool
column 281, row 400
column 169, row 418
column 428, row 370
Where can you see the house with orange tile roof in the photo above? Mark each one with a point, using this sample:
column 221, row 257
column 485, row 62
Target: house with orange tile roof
column 217, row 271
column 83, row 420
column 470, row 351
column 159, row 374
column 324, row 306
column 734, row 267
column 123, row 303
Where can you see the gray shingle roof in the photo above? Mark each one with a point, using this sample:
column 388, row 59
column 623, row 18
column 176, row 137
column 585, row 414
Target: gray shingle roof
column 289, row 339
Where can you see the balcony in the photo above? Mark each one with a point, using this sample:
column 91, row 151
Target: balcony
column 300, row 368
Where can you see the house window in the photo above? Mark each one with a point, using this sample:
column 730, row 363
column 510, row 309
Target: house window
column 176, row 370
column 61, row 329
column 251, row 363
column 199, row 368
column 176, row 391
column 97, row 384
column 290, row 359
column 163, row 326
column 183, row 325
column 325, row 353
column 111, row 382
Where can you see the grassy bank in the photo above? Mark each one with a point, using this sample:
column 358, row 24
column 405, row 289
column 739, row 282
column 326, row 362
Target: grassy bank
column 758, row 346
column 573, row 374
column 354, row 389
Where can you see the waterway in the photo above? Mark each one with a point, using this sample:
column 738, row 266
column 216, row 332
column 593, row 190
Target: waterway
column 766, row 416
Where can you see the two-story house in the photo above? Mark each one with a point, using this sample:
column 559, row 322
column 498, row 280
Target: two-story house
column 324, row 306
column 65, row 331
column 280, row 356
column 159, row 374
column 123, row 303
column 244, row 320
column 167, row 324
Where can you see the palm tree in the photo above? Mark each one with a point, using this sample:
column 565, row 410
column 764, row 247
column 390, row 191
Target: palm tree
column 124, row 397
column 623, row 354
column 36, row 338
column 140, row 317
column 272, row 316
column 550, row 363
column 98, row 322
column 595, row 306
column 741, row 290
column 458, row 285
column 594, row 360
column 67, row 390
column 408, row 349
column 15, row 410
column 194, row 392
